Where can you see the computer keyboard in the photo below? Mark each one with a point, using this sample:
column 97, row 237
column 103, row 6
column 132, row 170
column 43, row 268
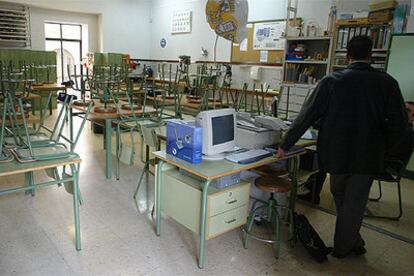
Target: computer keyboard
column 247, row 157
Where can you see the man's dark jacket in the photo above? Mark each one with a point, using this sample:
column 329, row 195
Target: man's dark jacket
column 361, row 113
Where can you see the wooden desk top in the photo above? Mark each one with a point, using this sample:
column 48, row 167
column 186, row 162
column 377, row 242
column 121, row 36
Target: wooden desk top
column 102, row 116
column 48, row 87
column 15, row 167
column 269, row 94
column 210, row 170
column 185, row 103
column 32, row 119
column 161, row 132
column 33, row 96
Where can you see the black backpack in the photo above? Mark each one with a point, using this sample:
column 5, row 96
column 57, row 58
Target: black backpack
column 310, row 239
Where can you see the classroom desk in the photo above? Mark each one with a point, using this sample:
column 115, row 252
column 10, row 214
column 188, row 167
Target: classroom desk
column 186, row 104
column 14, row 168
column 109, row 118
column 268, row 94
column 32, row 119
column 45, row 89
column 209, row 171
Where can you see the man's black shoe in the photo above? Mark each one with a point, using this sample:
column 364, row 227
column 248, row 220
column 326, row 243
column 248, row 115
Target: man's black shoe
column 308, row 198
column 360, row 250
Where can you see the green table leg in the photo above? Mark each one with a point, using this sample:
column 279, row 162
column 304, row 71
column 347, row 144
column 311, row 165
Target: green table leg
column 50, row 108
column 158, row 197
column 118, row 145
column 203, row 224
column 28, row 181
column 75, row 174
column 71, row 127
column 108, row 147
column 293, row 167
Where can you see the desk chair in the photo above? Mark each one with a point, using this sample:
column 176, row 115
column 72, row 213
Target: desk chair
column 5, row 156
column 272, row 185
column 29, row 151
column 393, row 174
column 150, row 140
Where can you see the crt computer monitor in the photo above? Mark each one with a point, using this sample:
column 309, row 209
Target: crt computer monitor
column 219, row 128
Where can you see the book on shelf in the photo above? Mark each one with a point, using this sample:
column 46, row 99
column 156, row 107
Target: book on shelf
column 300, row 73
column 380, row 36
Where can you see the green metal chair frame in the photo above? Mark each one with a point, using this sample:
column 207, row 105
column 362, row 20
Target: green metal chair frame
column 56, row 148
column 5, row 156
column 271, row 208
column 150, row 140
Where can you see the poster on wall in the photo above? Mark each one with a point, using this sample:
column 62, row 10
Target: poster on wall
column 268, row 36
column 181, row 22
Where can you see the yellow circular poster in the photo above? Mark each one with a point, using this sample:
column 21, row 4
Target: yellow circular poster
column 228, row 18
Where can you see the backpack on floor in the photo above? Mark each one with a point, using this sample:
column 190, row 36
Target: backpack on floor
column 310, row 239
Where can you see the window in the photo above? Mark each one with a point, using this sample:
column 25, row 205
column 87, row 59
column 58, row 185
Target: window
column 66, row 41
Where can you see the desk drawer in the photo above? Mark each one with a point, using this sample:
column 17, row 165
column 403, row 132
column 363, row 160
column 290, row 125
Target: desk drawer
column 227, row 221
column 229, row 199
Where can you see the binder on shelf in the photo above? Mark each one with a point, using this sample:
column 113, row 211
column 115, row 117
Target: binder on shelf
column 345, row 39
column 351, row 34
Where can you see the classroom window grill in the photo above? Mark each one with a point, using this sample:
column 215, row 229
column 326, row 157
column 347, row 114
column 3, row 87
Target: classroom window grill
column 14, row 25
column 66, row 40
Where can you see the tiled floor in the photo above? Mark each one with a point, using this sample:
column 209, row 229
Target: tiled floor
column 37, row 235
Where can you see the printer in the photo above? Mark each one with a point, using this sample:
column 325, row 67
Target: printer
column 258, row 132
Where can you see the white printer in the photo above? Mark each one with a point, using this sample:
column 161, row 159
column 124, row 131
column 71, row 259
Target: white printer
column 258, row 133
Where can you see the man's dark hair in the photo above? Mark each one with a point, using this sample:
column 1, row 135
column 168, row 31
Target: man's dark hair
column 409, row 102
column 359, row 48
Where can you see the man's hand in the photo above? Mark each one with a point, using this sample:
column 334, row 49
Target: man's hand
column 280, row 153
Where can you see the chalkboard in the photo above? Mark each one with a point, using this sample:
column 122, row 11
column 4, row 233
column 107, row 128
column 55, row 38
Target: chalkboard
column 400, row 63
column 400, row 66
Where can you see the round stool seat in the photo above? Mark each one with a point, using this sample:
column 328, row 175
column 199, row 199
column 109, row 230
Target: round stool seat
column 273, row 184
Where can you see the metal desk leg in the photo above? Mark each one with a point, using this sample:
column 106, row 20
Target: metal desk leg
column 75, row 174
column 28, row 181
column 71, row 127
column 203, row 224
column 158, row 197
column 293, row 167
column 50, row 107
column 117, row 151
column 108, row 147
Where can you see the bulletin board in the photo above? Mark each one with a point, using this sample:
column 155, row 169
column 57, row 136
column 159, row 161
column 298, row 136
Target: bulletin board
column 250, row 55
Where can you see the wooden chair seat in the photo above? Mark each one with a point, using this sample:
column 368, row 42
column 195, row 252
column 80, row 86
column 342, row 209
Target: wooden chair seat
column 273, row 184
column 270, row 171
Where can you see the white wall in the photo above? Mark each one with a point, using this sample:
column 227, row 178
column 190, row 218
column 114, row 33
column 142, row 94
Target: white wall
column 203, row 36
column 38, row 16
column 184, row 44
column 123, row 25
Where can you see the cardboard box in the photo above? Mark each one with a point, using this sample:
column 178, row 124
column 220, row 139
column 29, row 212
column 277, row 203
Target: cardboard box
column 382, row 16
column 376, row 5
column 185, row 141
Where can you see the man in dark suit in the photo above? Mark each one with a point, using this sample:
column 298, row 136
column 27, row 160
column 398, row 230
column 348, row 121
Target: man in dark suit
column 362, row 113
column 403, row 149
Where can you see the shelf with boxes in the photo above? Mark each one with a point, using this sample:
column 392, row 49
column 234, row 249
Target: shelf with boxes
column 307, row 59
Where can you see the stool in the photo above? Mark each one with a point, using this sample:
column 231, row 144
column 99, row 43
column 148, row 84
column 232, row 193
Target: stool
column 272, row 185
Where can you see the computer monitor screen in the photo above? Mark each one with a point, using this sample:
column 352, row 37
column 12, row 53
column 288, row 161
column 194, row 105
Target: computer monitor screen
column 219, row 127
column 223, row 129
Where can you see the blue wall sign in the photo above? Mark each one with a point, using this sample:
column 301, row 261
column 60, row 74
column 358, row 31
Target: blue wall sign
column 163, row 43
